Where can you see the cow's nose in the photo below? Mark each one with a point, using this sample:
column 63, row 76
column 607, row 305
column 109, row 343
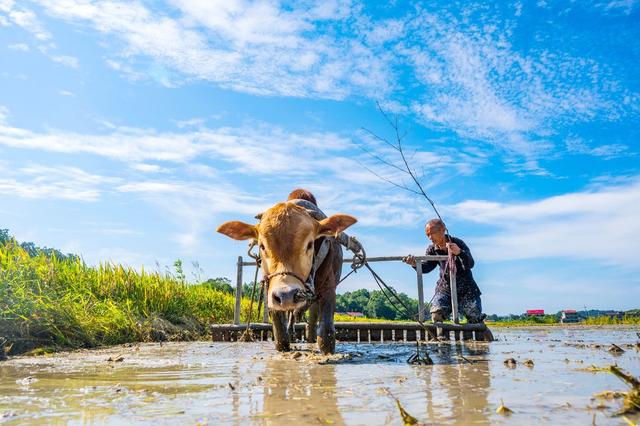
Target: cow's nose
column 284, row 298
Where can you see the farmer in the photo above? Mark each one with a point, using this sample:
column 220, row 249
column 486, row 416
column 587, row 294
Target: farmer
column 468, row 292
column 306, row 199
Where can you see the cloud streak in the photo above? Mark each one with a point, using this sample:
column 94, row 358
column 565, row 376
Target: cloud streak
column 253, row 47
column 191, row 172
column 599, row 225
column 54, row 183
column 456, row 69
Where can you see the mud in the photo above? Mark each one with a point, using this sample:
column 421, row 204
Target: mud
column 249, row 383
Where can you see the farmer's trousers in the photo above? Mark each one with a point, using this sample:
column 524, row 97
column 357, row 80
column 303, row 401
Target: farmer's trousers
column 469, row 305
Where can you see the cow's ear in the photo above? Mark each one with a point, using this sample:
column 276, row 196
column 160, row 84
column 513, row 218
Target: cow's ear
column 335, row 224
column 238, row 230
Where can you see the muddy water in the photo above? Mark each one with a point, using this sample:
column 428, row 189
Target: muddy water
column 222, row 383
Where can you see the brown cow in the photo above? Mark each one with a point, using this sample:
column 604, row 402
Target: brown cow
column 288, row 237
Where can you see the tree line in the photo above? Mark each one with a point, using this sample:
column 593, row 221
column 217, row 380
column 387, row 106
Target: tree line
column 34, row 250
column 371, row 303
column 374, row 304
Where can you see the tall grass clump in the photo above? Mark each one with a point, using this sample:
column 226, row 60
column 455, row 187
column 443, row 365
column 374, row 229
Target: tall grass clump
column 48, row 300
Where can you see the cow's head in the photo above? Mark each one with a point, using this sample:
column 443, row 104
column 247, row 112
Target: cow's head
column 286, row 235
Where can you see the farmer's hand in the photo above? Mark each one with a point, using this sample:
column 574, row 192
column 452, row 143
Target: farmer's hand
column 453, row 248
column 409, row 260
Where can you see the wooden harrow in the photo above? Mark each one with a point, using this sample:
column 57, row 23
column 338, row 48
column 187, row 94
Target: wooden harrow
column 364, row 332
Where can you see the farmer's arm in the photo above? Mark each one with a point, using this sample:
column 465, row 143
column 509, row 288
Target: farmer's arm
column 427, row 266
column 460, row 249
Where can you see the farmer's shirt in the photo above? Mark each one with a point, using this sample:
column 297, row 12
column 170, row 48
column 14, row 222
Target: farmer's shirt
column 466, row 285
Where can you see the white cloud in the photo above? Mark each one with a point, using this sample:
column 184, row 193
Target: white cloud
column 599, row 225
column 608, row 151
column 66, row 93
column 193, row 206
column 624, row 6
column 123, row 145
column 4, row 114
column 476, row 83
column 67, row 61
column 464, row 74
column 192, row 122
column 28, row 20
column 148, row 168
column 255, row 47
column 202, row 170
column 24, row 18
column 257, row 149
column 22, row 47
column 66, row 183
column 327, row 163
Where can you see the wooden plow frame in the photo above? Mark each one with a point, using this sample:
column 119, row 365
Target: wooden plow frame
column 362, row 332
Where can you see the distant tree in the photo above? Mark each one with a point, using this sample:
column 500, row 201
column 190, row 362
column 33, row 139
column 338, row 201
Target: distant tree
column 247, row 288
column 34, row 250
column 379, row 307
column 221, row 284
column 4, row 236
column 374, row 304
column 412, row 304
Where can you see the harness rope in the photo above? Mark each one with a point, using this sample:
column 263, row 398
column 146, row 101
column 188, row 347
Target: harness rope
column 247, row 336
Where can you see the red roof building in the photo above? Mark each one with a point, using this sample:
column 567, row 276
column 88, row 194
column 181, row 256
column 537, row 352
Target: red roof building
column 533, row 312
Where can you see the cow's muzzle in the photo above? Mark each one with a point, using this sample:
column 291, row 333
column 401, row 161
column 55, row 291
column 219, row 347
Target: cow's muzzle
column 287, row 298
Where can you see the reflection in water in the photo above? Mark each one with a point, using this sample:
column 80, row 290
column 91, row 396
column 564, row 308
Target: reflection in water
column 457, row 387
column 300, row 392
column 239, row 384
column 468, row 385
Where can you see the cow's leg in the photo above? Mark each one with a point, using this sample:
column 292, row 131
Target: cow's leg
column 326, row 329
column 291, row 323
column 280, row 335
column 312, row 322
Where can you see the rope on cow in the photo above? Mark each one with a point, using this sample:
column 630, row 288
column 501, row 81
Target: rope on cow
column 247, row 335
column 359, row 260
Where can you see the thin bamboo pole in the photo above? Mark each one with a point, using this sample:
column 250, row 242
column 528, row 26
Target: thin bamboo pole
column 236, row 311
column 454, row 297
column 420, row 290
column 265, row 312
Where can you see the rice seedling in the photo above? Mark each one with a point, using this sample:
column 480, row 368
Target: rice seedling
column 53, row 301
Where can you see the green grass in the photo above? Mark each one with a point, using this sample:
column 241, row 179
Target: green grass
column 586, row 322
column 515, row 323
column 612, row 321
column 348, row 318
column 63, row 303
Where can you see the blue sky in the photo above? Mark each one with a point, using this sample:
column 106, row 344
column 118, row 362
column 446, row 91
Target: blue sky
column 129, row 130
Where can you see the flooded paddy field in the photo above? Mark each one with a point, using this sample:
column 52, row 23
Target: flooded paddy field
column 249, row 383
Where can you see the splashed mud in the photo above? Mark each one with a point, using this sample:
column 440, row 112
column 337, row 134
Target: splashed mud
column 249, row 383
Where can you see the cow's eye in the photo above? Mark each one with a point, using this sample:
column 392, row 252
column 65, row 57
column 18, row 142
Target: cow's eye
column 309, row 245
column 262, row 247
